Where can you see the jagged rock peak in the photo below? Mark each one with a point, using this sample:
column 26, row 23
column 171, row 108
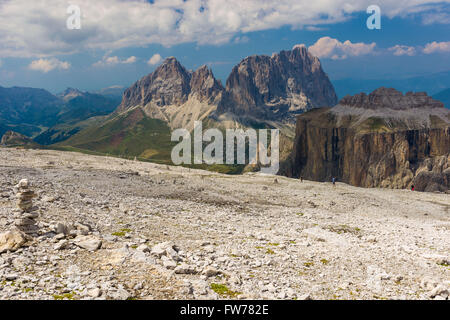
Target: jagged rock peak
column 172, row 84
column 171, row 68
column 392, row 99
column 205, row 85
column 278, row 86
column 168, row 84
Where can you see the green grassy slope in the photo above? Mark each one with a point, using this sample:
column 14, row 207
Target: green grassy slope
column 128, row 135
column 131, row 135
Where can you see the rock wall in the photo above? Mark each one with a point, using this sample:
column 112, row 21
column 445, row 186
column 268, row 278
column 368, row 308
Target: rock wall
column 395, row 159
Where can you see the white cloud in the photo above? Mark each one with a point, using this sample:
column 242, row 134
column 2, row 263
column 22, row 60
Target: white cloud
column 314, row 28
column 112, row 61
column 434, row 47
column 38, row 28
column 131, row 59
column 401, row 50
column 47, row 65
column 327, row 47
column 155, row 59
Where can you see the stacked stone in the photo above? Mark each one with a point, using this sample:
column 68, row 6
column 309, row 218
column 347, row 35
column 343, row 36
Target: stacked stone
column 26, row 221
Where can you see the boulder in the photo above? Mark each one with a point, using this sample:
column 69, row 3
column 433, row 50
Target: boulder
column 12, row 240
column 90, row 243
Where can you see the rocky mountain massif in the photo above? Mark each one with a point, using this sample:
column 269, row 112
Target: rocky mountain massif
column 175, row 95
column 384, row 139
column 262, row 88
column 109, row 228
column 277, row 88
column 261, row 92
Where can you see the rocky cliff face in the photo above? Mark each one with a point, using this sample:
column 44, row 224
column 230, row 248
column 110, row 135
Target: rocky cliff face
column 278, row 87
column 168, row 84
column 204, row 86
column 381, row 140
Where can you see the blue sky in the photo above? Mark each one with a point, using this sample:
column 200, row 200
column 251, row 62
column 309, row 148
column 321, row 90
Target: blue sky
column 113, row 47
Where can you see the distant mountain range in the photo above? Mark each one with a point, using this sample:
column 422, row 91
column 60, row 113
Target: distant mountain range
column 112, row 92
column 34, row 111
column 28, row 110
column 432, row 84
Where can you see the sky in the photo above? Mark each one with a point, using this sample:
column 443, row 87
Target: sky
column 45, row 44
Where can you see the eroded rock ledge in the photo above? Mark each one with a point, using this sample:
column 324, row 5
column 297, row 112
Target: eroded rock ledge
column 384, row 139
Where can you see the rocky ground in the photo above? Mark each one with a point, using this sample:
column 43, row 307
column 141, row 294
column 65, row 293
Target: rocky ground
column 117, row 229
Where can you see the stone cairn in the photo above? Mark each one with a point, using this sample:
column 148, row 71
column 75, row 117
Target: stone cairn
column 26, row 219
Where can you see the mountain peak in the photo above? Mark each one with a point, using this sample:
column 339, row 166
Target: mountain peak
column 70, row 93
column 171, row 60
column 70, row 90
column 169, row 84
column 300, row 46
column 171, row 64
column 205, row 85
column 277, row 87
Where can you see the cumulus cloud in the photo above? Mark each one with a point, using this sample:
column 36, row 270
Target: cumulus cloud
column 38, row 28
column 131, row 59
column 434, row 47
column 327, row 47
column 155, row 59
column 401, row 50
column 47, row 65
column 112, row 61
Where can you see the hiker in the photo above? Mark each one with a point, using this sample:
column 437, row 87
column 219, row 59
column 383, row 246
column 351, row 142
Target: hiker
column 412, row 188
column 301, row 179
column 334, row 181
